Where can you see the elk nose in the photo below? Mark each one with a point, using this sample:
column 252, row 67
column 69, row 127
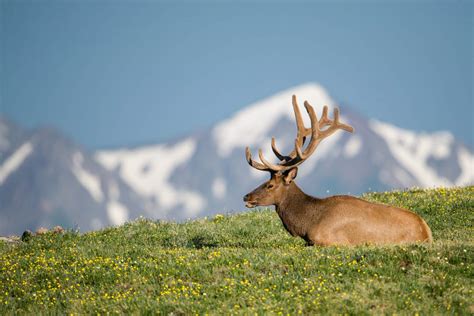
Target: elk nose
column 246, row 197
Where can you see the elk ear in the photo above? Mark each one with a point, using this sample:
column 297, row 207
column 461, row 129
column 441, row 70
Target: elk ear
column 290, row 175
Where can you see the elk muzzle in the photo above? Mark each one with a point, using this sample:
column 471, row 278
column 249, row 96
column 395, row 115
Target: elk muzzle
column 248, row 201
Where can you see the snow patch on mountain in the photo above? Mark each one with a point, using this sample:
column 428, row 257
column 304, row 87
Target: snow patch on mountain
column 87, row 179
column 413, row 150
column 148, row 170
column 466, row 162
column 352, row 147
column 250, row 126
column 193, row 202
column 219, row 188
column 117, row 212
column 14, row 161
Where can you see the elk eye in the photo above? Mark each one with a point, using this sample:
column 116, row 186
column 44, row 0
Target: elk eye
column 270, row 186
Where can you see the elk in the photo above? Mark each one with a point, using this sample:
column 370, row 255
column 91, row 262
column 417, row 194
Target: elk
column 335, row 220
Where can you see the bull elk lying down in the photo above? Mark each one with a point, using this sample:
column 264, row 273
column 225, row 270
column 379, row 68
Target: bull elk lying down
column 335, row 220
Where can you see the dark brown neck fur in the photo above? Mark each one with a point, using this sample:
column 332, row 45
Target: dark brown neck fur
column 293, row 211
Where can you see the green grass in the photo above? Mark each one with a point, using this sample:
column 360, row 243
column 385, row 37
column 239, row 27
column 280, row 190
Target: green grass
column 246, row 264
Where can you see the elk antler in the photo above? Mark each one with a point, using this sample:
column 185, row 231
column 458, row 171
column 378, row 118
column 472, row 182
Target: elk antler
column 298, row 156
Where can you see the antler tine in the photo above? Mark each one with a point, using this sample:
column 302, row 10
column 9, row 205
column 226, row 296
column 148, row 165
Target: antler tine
column 340, row 125
column 302, row 131
column 299, row 153
column 268, row 164
column 347, row 128
column 324, row 120
column 253, row 163
column 277, row 152
column 315, row 133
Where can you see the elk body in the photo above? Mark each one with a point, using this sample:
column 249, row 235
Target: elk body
column 335, row 220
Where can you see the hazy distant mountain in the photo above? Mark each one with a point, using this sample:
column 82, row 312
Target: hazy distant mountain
column 45, row 179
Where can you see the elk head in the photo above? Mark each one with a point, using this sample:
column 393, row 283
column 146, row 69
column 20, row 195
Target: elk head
column 273, row 191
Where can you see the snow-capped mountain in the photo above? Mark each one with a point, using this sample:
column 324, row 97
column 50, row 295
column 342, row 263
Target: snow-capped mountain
column 207, row 173
column 46, row 179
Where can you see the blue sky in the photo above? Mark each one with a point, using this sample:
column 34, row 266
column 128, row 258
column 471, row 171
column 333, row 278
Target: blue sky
column 113, row 73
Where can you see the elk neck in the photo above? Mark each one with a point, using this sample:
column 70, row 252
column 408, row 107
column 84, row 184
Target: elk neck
column 292, row 210
column 292, row 197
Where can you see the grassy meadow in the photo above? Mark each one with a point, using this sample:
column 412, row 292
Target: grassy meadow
column 246, row 264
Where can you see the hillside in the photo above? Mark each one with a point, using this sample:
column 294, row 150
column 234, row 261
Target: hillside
column 245, row 264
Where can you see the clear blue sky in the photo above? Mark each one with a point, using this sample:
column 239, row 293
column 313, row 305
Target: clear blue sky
column 113, row 73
